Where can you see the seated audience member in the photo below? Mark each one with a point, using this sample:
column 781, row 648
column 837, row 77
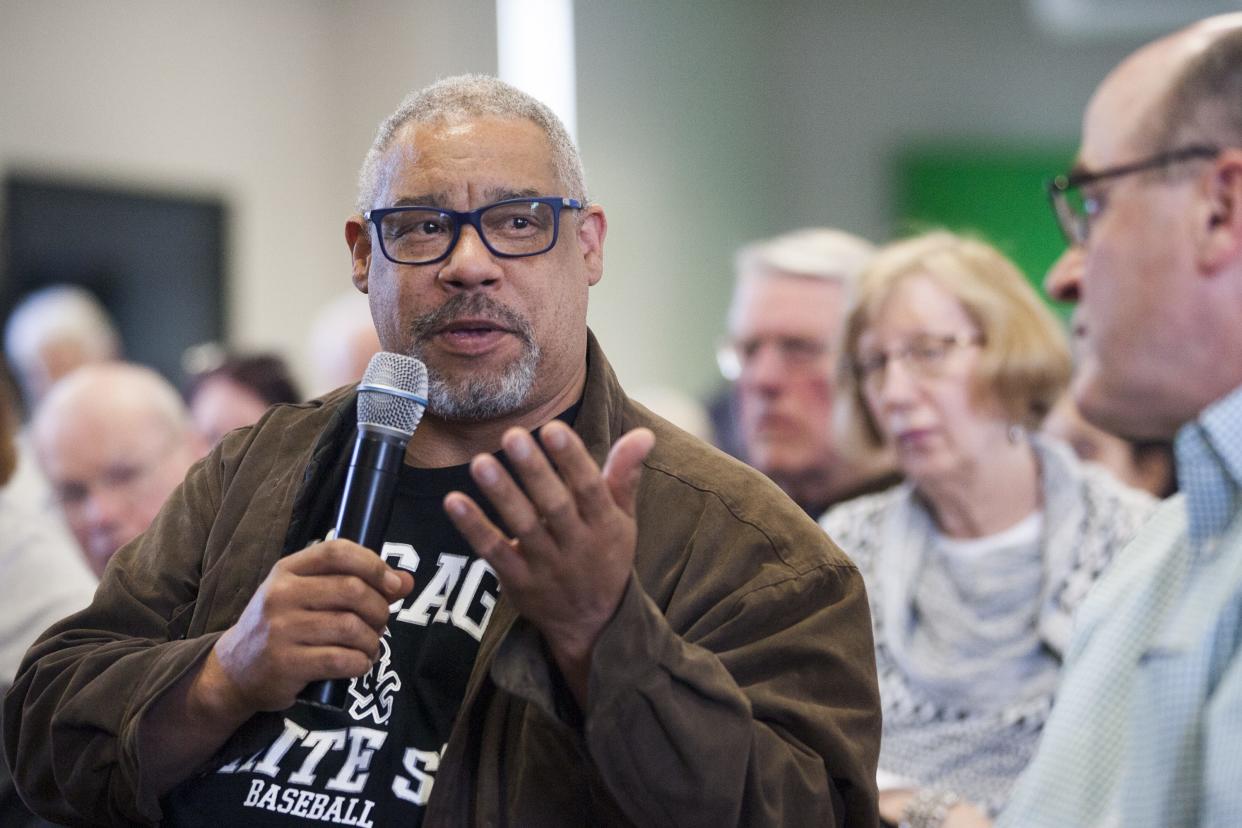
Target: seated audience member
column 342, row 342
column 616, row 625
column 114, row 440
column 1147, row 730
column 49, row 333
column 236, row 392
column 53, row 331
column 42, row 579
column 1143, row 464
column 783, row 326
column 975, row 564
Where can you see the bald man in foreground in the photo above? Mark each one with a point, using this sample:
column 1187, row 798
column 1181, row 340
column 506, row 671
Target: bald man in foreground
column 114, row 440
column 1147, row 727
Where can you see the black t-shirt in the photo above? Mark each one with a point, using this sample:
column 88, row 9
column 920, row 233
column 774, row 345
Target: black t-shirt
column 374, row 762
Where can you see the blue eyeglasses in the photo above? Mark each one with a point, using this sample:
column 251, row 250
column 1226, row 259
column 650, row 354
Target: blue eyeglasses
column 512, row 228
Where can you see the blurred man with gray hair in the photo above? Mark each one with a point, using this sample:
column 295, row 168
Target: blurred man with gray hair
column 114, row 440
column 788, row 305
column 48, row 334
column 51, row 332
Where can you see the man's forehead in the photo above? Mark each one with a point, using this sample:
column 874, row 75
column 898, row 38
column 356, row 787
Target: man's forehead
column 497, row 157
column 775, row 299
column 1114, row 121
column 1125, row 108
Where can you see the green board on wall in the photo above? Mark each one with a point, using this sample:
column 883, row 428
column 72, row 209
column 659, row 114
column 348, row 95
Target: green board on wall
column 994, row 194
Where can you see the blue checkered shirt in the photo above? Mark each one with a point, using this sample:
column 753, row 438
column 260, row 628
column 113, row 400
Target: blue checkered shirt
column 1147, row 726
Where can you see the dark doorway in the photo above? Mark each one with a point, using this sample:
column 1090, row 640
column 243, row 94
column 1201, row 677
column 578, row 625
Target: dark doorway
column 155, row 260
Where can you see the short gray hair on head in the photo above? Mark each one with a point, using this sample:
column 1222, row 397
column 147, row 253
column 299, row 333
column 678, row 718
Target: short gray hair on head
column 126, row 388
column 59, row 313
column 1203, row 104
column 817, row 252
column 467, row 96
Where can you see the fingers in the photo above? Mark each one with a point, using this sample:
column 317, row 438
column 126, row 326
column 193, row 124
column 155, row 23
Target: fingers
column 558, row 500
column 336, row 663
column 553, row 504
column 485, row 538
column 624, row 467
column 523, row 518
column 578, row 470
column 342, row 557
column 336, row 593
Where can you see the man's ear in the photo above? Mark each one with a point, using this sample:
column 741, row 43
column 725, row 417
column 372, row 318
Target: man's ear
column 1220, row 218
column 592, row 228
column 359, row 242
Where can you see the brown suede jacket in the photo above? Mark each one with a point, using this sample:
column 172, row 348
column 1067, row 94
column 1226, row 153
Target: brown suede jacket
column 734, row 686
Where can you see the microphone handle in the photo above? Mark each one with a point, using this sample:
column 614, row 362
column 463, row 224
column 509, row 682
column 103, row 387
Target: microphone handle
column 366, row 505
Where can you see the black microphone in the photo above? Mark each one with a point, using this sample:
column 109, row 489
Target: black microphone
column 391, row 399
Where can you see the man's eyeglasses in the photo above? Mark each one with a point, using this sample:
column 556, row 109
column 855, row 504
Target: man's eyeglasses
column 795, row 353
column 925, row 355
column 511, row 228
column 1075, row 210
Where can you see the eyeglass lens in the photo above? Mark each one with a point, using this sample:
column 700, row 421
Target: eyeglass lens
column 1073, row 214
column 794, row 353
column 924, row 356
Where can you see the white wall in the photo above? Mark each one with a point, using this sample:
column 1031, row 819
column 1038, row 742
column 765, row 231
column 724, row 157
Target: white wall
column 707, row 125
column 270, row 104
column 703, row 125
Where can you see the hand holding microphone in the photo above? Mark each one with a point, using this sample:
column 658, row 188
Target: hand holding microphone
column 320, row 612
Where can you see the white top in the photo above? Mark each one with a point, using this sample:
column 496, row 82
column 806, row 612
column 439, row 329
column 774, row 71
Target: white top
column 45, row 576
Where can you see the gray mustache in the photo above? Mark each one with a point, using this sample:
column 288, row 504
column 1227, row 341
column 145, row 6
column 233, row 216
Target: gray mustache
column 474, row 306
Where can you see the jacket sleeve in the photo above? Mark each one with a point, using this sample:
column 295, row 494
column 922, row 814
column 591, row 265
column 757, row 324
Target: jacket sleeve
column 764, row 711
column 70, row 718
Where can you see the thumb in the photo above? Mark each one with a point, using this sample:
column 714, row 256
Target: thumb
column 624, row 467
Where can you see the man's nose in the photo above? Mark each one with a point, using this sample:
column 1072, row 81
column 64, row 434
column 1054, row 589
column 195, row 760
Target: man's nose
column 104, row 507
column 1064, row 279
column 471, row 264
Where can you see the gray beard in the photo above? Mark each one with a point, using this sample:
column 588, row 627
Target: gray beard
column 477, row 396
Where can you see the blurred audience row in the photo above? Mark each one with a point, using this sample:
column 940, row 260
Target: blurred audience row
column 912, row 397
column 909, row 396
column 107, row 440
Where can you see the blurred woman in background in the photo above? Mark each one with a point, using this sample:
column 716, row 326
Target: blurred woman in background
column 975, row 564
column 236, row 392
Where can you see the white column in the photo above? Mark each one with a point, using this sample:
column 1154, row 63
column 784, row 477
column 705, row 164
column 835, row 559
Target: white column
column 535, row 44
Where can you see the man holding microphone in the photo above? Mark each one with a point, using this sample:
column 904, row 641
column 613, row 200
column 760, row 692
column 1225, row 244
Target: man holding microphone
column 580, row 615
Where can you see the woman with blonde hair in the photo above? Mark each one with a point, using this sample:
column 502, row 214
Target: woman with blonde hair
column 975, row 563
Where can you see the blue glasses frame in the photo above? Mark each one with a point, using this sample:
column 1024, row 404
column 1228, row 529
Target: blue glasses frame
column 460, row 219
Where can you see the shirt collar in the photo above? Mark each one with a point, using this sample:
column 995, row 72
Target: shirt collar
column 1209, row 466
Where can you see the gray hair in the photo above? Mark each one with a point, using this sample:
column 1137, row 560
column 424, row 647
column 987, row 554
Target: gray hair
column 821, row 253
column 60, row 313
column 115, row 386
column 464, row 96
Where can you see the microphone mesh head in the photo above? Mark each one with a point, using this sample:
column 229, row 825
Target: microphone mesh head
column 387, row 409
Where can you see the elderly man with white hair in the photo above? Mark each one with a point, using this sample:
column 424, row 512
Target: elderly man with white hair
column 787, row 310
column 114, row 440
column 53, row 331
